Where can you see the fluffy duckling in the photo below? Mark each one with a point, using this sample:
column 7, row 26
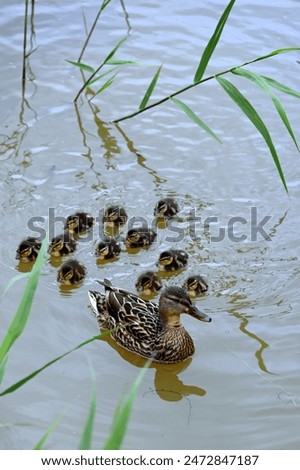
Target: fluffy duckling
column 63, row 244
column 108, row 248
column 166, row 208
column 148, row 283
column 195, row 285
column 79, row 222
column 140, row 237
column 114, row 216
column 172, row 260
column 28, row 250
column 71, row 272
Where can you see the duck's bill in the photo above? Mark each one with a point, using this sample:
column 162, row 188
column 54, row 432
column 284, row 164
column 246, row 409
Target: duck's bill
column 194, row 312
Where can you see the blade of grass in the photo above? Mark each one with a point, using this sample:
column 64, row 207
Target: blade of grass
column 281, row 87
column 107, row 84
column 19, row 321
column 190, row 113
column 23, row 381
column 150, row 89
column 91, row 82
column 55, row 422
column 256, row 120
column 82, row 66
column 113, row 61
column 86, row 437
column 212, row 43
column 122, row 414
column 13, row 281
column 114, row 50
column 3, row 367
column 263, row 84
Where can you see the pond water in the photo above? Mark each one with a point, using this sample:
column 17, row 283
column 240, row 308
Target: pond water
column 241, row 388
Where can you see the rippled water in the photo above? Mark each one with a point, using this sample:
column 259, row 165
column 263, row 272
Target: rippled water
column 241, row 389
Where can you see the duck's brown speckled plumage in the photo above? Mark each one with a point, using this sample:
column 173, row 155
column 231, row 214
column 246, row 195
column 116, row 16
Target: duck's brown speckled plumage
column 145, row 328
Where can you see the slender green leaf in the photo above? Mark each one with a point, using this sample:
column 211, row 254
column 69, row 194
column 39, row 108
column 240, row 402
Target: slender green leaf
column 190, row 113
column 96, row 79
column 121, row 62
column 86, row 438
column 107, row 84
column 263, row 84
column 150, row 89
column 281, row 87
column 3, row 367
column 55, row 422
column 14, row 280
column 212, row 43
column 104, row 4
column 114, row 50
column 256, row 120
column 122, row 414
column 21, row 316
column 85, row 67
column 23, row 381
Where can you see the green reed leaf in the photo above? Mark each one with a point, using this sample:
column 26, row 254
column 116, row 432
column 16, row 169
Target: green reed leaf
column 150, row 89
column 85, row 67
column 12, row 281
column 53, row 425
column 121, row 62
column 212, row 43
column 20, row 318
column 256, row 120
column 107, row 84
column 263, row 84
column 190, row 113
column 3, row 367
column 86, row 438
column 114, row 50
column 123, row 412
column 281, row 87
column 96, row 79
column 23, row 381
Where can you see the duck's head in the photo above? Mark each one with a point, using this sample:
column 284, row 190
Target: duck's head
column 133, row 236
column 65, row 273
column 173, row 301
column 72, row 223
column 166, row 258
column 56, row 245
column 102, row 249
column 195, row 284
column 148, row 282
column 24, row 251
column 161, row 207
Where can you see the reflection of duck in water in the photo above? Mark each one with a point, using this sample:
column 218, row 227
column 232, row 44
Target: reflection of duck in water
column 150, row 330
column 166, row 382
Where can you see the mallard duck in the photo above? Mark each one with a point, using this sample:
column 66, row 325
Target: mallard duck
column 195, row 285
column 71, row 272
column 148, row 283
column 108, row 248
column 28, row 250
column 63, row 244
column 145, row 328
column 114, row 216
column 79, row 222
column 140, row 237
column 172, row 260
column 166, row 208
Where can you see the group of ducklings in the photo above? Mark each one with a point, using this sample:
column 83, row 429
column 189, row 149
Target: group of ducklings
column 73, row 271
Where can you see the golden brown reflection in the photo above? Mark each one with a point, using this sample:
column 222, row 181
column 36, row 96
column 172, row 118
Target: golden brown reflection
column 167, row 385
column 244, row 322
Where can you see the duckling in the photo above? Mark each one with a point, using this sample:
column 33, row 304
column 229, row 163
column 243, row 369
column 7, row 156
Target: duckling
column 195, row 285
column 63, row 244
column 71, row 272
column 108, row 248
column 166, row 208
column 172, row 260
column 148, row 283
column 79, row 222
column 114, row 216
column 150, row 330
column 28, row 250
column 140, row 237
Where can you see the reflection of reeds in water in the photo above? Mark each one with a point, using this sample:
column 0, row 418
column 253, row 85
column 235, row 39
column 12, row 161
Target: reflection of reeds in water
column 167, row 385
